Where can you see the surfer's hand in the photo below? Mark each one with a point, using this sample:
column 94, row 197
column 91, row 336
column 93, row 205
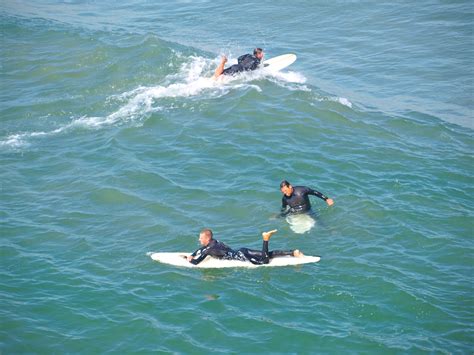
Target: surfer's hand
column 190, row 257
column 330, row 201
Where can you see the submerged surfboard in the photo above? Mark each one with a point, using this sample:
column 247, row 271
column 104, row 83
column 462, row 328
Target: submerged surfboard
column 178, row 259
column 300, row 223
column 279, row 63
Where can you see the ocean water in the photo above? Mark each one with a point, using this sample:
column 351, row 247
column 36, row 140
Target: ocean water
column 114, row 143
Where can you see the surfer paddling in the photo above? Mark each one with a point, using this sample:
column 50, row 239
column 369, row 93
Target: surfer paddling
column 296, row 198
column 216, row 249
column 246, row 62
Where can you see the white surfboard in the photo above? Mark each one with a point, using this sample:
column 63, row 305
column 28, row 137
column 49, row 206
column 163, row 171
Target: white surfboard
column 179, row 259
column 300, row 223
column 279, row 63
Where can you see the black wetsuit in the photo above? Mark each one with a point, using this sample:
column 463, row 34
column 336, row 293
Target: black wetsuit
column 298, row 202
column 219, row 250
column 245, row 62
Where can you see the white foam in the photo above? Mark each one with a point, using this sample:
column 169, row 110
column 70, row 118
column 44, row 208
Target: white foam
column 344, row 101
column 278, row 77
column 13, row 141
column 247, row 86
column 341, row 100
column 19, row 140
column 291, row 77
column 193, row 78
column 290, row 80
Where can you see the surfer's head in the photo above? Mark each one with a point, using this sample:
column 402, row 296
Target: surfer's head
column 205, row 236
column 258, row 52
column 286, row 188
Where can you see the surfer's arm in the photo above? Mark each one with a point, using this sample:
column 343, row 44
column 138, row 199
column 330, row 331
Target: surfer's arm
column 193, row 255
column 285, row 211
column 196, row 260
column 328, row 200
column 284, row 208
column 197, row 251
column 217, row 251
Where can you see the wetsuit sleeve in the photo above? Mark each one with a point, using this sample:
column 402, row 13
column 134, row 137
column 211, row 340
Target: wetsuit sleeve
column 316, row 193
column 217, row 250
column 197, row 251
column 200, row 258
column 284, row 207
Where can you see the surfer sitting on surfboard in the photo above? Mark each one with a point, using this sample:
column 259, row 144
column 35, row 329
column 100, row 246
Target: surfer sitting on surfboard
column 295, row 199
column 245, row 62
column 219, row 250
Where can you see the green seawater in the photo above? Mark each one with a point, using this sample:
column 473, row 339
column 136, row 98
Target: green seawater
column 114, row 143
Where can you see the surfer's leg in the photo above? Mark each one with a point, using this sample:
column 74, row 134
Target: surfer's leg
column 256, row 257
column 266, row 238
column 220, row 68
column 276, row 253
column 265, row 254
column 259, row 257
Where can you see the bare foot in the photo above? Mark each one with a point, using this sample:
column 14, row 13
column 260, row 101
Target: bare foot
column 267, row 235
column 220, row 68
column 297, row 253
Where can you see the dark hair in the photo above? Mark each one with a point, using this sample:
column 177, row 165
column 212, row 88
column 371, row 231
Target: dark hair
column 284, row 183
column 207, row 232
column 257, row 51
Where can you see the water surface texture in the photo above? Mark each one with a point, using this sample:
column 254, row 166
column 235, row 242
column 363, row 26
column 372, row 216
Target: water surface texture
column 114, row 143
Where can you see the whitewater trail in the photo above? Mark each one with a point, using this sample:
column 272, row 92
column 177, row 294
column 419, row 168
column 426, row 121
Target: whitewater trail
column 191, row 80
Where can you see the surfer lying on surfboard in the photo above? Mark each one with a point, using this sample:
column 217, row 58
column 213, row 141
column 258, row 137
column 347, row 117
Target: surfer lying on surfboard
column 216, row 249
column 245, row 62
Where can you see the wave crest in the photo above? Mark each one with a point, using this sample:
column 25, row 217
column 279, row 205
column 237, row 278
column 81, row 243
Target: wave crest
column 192, row 79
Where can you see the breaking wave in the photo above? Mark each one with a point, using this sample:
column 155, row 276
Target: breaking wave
column 192, row 79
